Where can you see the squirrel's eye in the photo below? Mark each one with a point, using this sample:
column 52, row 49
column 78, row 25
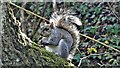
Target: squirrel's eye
column 69, row 18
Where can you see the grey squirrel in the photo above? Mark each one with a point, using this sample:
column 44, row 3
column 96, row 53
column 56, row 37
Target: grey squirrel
column 61, row 35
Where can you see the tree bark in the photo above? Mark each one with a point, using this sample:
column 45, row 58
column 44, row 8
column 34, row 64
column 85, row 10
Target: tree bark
column 19, row 50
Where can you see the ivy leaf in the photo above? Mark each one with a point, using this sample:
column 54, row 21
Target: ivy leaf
column 40, row 8
column 104, row 18
column 92, row 50
column 77, row 57
column 32, row 7
column 106, row 42
column 93, row 30
column 113, row 19
column 100, row 57
column 92, row 16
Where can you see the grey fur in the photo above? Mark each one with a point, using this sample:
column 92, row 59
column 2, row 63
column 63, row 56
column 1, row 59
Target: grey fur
column 63, row 39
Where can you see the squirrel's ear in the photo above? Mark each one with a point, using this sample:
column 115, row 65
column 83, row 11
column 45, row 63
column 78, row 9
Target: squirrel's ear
column 52, row 25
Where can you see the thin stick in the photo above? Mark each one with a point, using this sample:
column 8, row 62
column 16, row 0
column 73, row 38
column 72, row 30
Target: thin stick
column 113, row 11
column 54, row 5
column 40, row 20
column 29, row 11
column 89, row 56
column 78, row 50
column 99, row 42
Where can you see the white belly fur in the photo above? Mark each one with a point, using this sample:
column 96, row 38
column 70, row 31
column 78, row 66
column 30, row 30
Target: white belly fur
column 55, row 49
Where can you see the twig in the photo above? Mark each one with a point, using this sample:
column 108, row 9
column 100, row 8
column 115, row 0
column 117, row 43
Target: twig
column 78, row 50
column 22, row 19
column 33, row 12
column 100, row 42
column 28, row 11
column 22, row 13
column 89, row 56
column 40, row 20
column 113, row 11
column 54, row 5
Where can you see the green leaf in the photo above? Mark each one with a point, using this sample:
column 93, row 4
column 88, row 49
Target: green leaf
column 111, row 60
column 77, row 57
column 94, row 57
column 106, row 42
column 100, row 57
column 98, row 10
column 40, row 8
column 104, row 18
column 113, row 19
column 91, row 50
column 93, row 30
column 85, row 44
column 32, row 7
column 115, row 39
column 99, row 45
column 92, row 16
column 91, row 9
column 108, row 28
column 41, row 3
column 115, row 62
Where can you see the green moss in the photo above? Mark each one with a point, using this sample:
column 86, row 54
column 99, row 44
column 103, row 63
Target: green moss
column 42, row 57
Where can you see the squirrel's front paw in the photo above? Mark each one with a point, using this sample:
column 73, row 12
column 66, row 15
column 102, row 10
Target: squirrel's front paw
column 41, row 41
column 44, row 41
